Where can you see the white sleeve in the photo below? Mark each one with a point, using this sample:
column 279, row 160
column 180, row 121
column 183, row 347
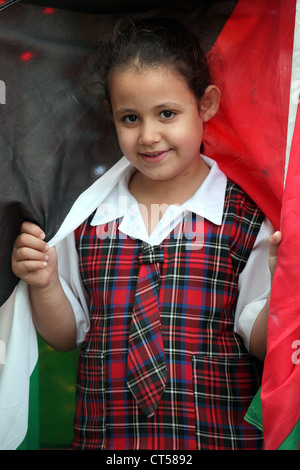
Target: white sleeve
column 254, row 284
column 68, row 268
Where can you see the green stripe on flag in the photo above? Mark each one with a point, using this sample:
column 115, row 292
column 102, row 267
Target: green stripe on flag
column 254, row 417
column 292, row 441
column 32, row 438
column 51, row 400
column 254, row 412
column 57, row 372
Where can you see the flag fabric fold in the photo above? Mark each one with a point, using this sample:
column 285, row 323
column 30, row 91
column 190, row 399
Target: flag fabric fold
column 281, row 379
column 276, row 408
column 252, row 60
column 22, row 350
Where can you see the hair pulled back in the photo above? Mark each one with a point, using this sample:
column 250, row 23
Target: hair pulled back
column 151, row 43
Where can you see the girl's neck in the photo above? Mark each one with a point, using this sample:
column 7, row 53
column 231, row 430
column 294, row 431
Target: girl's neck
column 153, row 193
column 173, row 191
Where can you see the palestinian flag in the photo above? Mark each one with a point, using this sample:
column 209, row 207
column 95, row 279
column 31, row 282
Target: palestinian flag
column 56, row 143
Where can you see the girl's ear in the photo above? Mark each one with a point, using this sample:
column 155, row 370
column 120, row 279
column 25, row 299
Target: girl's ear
column 107, row 108
column 209, row 103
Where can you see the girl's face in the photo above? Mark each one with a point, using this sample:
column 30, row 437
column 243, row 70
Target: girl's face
column 158, row 121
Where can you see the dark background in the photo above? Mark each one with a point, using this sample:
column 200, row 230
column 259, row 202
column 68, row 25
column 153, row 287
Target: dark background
column 55, row 138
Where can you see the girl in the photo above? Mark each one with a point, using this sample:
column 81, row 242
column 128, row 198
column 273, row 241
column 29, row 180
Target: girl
column 196, row 241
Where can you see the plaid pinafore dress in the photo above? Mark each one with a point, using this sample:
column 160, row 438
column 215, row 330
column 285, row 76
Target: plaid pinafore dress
column 211, row 377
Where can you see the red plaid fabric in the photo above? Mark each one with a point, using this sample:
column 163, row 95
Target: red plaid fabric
column 147, row 370
column 211, row 377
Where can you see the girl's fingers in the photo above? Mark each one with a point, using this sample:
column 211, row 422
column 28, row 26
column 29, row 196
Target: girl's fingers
column 25, row 253
column 29, row 266
column 32, row 229
column 31, row 241
column 31, row 255
column 276, row 238
column 274, row 243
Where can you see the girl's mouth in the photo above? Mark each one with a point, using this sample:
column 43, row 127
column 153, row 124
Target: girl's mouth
column 154, row 157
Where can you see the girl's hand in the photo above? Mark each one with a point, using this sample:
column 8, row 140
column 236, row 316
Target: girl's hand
column 258, row 338
column 32, row 260
column 274, row 242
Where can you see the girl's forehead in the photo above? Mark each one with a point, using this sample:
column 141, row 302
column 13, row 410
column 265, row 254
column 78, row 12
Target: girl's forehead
column 136, row 68
column 155, row 75
column 148, row 88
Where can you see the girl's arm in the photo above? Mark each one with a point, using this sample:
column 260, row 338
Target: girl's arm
column 36, row 264
column 258, row 338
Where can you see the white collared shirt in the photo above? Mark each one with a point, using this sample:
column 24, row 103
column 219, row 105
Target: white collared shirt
column 117, row 202
column 121, row 204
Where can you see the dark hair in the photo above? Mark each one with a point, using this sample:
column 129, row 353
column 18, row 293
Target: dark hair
column 151, row 43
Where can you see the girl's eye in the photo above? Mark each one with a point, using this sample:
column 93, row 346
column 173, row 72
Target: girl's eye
column 130, row 119
column 167, row 114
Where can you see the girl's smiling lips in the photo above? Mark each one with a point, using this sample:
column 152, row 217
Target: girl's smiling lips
column 154, row 157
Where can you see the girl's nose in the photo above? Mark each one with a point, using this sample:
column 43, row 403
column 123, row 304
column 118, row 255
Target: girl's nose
column 149, row 133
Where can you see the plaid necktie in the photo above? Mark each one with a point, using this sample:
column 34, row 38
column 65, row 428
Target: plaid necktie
column 147, row 370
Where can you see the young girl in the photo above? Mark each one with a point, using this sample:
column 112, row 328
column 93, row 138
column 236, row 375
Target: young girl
column 204, row 244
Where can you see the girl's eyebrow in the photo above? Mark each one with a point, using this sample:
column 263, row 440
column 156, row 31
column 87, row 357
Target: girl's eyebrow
column 170, row 104
column 122, row 111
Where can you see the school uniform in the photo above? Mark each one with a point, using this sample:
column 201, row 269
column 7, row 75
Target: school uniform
column 213, row 281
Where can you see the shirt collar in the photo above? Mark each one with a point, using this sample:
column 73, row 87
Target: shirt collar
column 207, row 202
